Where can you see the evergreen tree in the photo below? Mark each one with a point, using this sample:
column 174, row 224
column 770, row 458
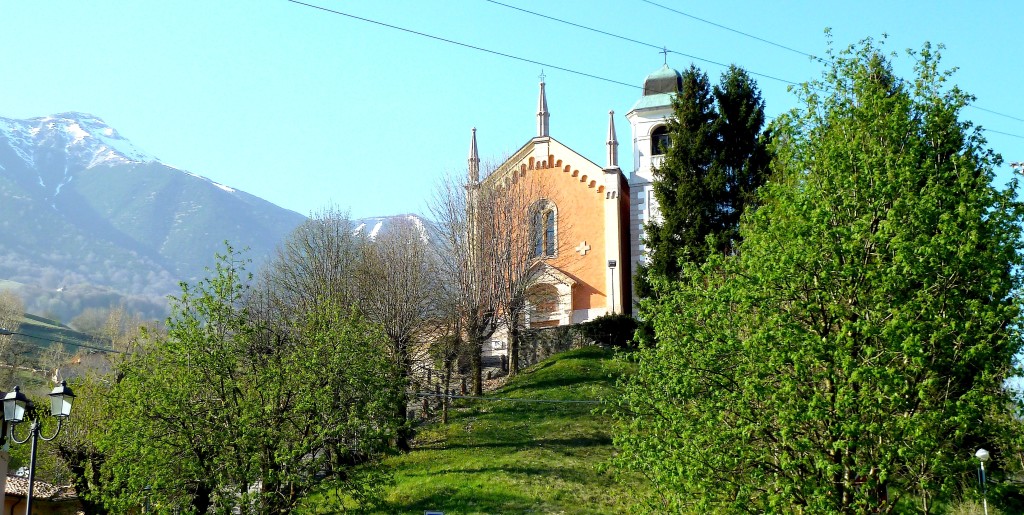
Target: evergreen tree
column 717, row 159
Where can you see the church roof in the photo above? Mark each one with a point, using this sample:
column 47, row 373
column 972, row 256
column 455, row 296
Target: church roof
column 652, row 101
column 663, row 80
column 659, row 88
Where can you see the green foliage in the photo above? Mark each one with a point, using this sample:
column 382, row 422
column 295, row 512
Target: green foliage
column 228, row 410
column 717, row 160
column 612, row 330
column 76, row 447
column 858, row 341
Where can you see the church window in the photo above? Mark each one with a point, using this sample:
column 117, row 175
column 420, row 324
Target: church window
column 544, row 229
column 542, row 300
column 549, row 233
column 660, row 142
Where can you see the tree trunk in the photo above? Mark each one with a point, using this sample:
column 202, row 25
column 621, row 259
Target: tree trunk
column 204, row 497
column 446, row 400
column 477, row 369
column 513, row 351
column 80, row 463
column 404, row 432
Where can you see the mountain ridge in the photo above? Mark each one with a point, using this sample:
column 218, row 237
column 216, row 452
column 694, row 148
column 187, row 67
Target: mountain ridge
column 80, row 205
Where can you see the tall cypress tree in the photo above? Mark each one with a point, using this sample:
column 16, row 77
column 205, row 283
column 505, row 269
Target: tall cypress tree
column 743, row 158
column 717, row 159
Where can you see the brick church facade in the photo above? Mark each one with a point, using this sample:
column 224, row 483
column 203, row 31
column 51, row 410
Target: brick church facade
column 588, row 219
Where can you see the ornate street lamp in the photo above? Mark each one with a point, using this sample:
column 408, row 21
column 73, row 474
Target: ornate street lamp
column 983, row 456
column 18, row 407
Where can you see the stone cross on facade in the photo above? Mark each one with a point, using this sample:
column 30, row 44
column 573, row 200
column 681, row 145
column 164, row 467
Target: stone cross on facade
column 582, row 248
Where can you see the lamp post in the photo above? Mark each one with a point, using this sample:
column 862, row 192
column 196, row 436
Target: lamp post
column 17, row 407
column 611, row 267
column 983, row 456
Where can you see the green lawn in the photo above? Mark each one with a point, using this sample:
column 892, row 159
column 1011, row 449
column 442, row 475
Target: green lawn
column 515, row 457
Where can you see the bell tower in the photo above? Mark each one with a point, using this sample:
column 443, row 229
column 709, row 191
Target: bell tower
column 648, row 121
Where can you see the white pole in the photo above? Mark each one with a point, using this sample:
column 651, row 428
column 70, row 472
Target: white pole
column 984, row 489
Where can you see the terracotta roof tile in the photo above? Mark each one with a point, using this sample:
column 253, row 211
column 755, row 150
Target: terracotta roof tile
column 43, row 490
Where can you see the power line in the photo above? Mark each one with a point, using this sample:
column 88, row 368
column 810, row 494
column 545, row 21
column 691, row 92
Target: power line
column 652, row 45
column 584, row 74
column 631, row 40
column 4, row 332
column 996, row 113
column 466, row 45
column 1003, row 133
column 730, row 29
column 801, row 52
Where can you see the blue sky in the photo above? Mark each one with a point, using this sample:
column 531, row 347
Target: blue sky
column 309, row 109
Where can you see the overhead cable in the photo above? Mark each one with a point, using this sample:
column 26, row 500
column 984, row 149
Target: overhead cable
column 730, row 29
column 799, row 52
column 466, row 45
column 631, row 40
column 83, row 345
column 590, row 75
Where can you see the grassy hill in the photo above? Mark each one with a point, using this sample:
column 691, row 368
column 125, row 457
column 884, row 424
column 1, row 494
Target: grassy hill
column 38, row 333
column 509, row 456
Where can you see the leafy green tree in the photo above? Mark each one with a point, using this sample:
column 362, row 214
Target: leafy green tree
column 12, row 353
column 76, row 447
column 717, row 159
column 853, row 349
column 226, row 412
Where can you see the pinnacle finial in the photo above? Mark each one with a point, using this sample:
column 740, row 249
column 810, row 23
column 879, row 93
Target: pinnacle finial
column 613, row 142
column 474, row 160
column 543, row 117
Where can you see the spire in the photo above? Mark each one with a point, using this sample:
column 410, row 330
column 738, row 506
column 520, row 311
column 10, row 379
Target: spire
column 474, row 160
column 542, row 111
column 613, row 142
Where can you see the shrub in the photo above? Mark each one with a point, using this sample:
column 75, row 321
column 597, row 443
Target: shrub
column 611, row 330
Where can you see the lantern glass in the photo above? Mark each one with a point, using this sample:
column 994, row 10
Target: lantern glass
column 15, row 405
column 60, row 400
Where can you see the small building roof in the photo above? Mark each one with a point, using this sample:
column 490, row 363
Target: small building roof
column 18, row 486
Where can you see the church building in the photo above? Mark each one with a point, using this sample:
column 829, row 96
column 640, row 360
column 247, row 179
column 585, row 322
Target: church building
column 587, row 219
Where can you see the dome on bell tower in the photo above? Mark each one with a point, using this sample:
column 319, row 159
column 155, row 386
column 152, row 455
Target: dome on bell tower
column 664, row 80
column 659, row 89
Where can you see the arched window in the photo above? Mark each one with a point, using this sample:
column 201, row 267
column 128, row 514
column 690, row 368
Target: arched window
column 544, row 229
column 543, row 301
column 660, row 142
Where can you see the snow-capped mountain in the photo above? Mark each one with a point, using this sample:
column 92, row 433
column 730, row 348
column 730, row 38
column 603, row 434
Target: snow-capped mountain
column 373, row 227
column 79, row 204
column 83, row 138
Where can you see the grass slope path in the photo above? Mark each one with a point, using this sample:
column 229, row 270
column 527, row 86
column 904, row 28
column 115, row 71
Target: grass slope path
column 517, row 457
